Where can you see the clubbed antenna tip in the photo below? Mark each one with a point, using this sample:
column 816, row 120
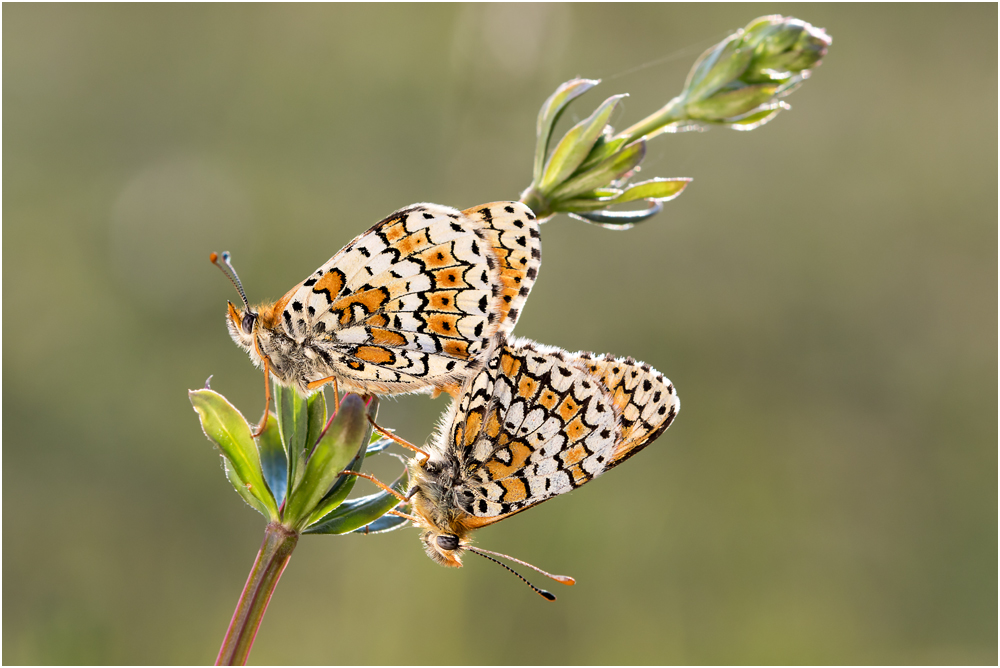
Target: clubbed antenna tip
column 549, row 596
column 227, row 268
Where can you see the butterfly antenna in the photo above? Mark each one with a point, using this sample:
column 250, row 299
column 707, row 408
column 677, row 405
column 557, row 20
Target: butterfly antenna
column 227, row 268
column 564, row 579
column 548, row 596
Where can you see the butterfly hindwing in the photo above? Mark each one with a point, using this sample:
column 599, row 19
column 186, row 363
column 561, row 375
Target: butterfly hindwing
column 646, row 401
column 512, row 231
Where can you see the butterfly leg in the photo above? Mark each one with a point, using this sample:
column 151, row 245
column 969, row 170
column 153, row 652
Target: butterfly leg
column 397, row 439
column 336, row 390
column 267, row 400
column 378, row 482
column 403, row 515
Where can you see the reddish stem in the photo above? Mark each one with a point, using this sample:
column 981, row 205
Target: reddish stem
column 275, row 551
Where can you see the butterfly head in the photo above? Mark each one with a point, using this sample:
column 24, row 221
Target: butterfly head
column 444, row 547
column 444, row 536
column 244, row 323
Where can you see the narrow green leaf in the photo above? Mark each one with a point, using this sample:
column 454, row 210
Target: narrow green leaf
column 755, row 120
column 659, row 189
column 549, row 115
column 345, row 483
column 273, row 462
column 604, row 147
column 224, row 425
column 293, row 423
column 384, row 524
column 603, row 174
column 580, row 205
column 619, row 220
column 356, row 513
column 346, row 435
column 576, row 144
column 241, row 488
column 601, row 193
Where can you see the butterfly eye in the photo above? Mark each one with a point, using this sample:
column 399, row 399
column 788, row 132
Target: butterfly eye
column 447, row 542
column 247, row 324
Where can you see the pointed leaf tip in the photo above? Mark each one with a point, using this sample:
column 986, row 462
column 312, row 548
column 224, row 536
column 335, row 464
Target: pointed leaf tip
column 227, row 428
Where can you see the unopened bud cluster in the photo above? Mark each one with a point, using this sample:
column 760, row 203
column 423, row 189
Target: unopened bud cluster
column 737, row 83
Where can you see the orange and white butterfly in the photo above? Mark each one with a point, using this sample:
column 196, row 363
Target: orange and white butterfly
column 534, row 423
column 410, row 305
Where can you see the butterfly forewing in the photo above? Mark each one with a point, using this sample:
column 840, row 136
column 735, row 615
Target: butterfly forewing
column 414, row 300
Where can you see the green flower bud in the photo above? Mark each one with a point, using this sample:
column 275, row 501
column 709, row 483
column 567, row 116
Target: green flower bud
column 717, row 68
column 783, row 47
column 729, row 104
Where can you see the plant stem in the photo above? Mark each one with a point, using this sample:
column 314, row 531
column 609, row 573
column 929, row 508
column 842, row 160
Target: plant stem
column 654, row 124
column 275, row 551
column 537, row 203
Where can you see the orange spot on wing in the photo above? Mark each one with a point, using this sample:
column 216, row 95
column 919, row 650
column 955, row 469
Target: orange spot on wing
column 442, row 323
column 331, row 282
column 548, row 399
column 568, row 408
column 510, row 365
column 519, row 453
column 437, row 257
column 456, row 348
column 576, row 430
column 374, row 354
column 412, row 243
column 443, row 300
column 493, row 424
column 527, row 387
column 378, row 320
column 579, row 475
column 472, row 425
column 573, row 455
column 452, row 277
column 370, row 300
column 514, row 490
column 394, row 231
column 384, row 337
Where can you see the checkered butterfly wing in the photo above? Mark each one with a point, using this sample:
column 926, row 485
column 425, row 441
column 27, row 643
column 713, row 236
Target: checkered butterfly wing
column 413, row 302
column 512, row 232
column 537, row 422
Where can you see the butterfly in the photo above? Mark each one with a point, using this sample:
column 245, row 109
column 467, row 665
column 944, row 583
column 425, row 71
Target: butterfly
column 408, row 306
column 534, row 423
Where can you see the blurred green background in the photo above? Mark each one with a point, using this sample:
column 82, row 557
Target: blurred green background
column 823, row 295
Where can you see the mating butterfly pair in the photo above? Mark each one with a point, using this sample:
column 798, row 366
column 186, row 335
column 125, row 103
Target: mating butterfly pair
column 425, row 301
